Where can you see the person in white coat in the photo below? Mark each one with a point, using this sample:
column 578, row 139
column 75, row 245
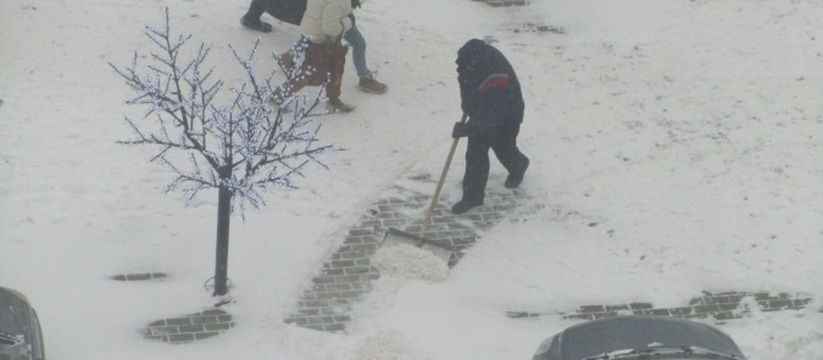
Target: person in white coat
column 321, row 50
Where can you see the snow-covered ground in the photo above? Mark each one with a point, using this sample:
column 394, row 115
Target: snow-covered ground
column 689, row 131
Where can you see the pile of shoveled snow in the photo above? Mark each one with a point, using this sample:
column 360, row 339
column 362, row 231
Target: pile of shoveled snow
column 398, row 264
column 406, row 261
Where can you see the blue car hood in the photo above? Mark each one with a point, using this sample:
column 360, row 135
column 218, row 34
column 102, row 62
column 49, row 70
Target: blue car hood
column 632, row 332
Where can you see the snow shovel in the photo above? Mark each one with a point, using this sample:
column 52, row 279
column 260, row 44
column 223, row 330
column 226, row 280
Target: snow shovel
column 398, row 236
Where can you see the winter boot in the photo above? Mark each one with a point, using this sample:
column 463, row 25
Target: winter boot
column 514, row 179
column 370, row 85
column 335, row 105
column 464, row 205
column 255, row 24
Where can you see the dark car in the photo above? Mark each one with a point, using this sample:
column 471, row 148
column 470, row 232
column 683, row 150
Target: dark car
column 637, row 337
column 20, row 335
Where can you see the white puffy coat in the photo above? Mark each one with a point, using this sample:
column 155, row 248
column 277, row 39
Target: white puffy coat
column 326, row 20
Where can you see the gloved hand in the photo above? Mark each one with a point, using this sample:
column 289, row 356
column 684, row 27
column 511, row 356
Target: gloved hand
column 461, row 129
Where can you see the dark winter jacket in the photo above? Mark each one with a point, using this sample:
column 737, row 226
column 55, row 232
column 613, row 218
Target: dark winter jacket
column 489, row 89
column 290, row 11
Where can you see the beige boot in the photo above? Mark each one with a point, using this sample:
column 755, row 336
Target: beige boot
column 370, row 85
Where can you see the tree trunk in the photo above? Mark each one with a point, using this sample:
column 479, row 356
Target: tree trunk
column 221, row 267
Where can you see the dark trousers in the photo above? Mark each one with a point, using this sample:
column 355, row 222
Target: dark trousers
column 504, row 145
column 255, row 11
column 290, row 11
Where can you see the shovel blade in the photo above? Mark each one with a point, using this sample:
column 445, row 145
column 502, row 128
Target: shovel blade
column 394, row 237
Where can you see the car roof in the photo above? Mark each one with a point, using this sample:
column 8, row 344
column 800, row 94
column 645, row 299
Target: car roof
column 14, row 312
column 637, row 331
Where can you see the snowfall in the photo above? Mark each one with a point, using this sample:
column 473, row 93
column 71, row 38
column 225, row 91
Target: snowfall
column 690, row 131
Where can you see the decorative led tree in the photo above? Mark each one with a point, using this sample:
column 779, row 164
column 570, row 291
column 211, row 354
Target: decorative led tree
column 241, row 149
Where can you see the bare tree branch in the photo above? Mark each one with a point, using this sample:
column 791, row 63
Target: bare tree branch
column 256, row 141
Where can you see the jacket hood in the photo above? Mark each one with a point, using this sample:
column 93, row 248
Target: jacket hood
column 471, row 54
column 476, row 58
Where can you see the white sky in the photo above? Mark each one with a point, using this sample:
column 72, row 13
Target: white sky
column 688, row 130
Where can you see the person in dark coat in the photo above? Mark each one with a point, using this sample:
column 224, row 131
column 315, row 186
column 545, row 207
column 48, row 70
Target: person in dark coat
column 491, row 98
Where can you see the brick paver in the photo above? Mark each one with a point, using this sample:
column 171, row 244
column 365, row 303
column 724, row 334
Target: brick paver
column 189, row 328
column 716, row 306
column 140, row 276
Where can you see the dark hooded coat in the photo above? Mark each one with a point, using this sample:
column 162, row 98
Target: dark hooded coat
column 489, row 89
column 490, row 96
column 290, row 11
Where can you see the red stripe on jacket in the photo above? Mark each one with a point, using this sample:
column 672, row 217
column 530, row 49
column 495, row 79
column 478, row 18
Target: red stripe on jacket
column 494, row 81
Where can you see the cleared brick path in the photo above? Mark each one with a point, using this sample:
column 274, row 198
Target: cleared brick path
column 348, row 275
column 716, row 306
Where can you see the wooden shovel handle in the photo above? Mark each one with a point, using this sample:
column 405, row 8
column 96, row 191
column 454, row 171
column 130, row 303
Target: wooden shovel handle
column 425, row 227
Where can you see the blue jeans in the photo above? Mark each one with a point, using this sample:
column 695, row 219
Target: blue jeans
column 358, row 47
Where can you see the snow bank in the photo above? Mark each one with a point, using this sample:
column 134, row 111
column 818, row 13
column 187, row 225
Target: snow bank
column 406, row 261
